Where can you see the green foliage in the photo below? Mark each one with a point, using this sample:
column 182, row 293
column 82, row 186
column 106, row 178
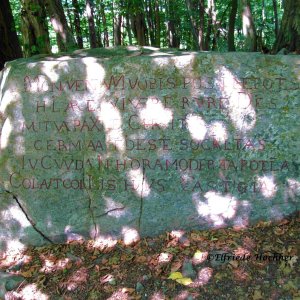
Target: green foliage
column 169, row 10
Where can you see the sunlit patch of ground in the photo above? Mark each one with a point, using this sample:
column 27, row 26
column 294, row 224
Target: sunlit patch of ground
column 176, row 265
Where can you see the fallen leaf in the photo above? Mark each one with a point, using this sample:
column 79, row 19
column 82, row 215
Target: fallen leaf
column 184, row 281
column 175, row 275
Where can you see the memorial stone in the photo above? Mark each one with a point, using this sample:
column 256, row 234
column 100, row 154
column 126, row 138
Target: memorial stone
column 127, row 143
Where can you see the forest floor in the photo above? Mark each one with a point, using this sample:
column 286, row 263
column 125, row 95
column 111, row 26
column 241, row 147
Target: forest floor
column 259, row 262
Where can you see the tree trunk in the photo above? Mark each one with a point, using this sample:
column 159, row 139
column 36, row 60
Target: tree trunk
column 69, row 16
column 90, row 15
column 289, row 34
column 231, row 27
column 150, row 22
column 128, row 28
column 34, row 28
column 105, row 31
column 77, row 24
column 117, row 19
column 211, row 24
column 138, row 24
column 195, row 32
column 157, row 24
column 201, row 25
column 276, row 18
column 172, row 26
column 248, row 27
column 9, row 44
column 64, row 36
column 98, row 25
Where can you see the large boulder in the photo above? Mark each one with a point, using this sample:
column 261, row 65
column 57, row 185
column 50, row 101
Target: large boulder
column 136, row 142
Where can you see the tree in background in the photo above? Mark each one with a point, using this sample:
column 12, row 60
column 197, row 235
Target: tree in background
column 89, row 8
column 231, row 26
column 137, row 21
column 9, row 44
column 201, row 25
column 289, row 33
column 34, row 28
column 104, row 23
column 276, row 28
column 191, row 11
column 173, row 24
column 117, row 7
column 249, row 30
column 186, row 24
column 77, row 24
column 64, row 35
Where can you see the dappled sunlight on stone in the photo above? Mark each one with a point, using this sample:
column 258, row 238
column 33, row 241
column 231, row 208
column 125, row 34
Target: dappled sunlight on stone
column 72, row 236
column 216, row 208
column 182, row 61
column 15, row 247
column 267, row 186
column 238, row 104
column 196, row 127
column 32, row 65
column 65, row 58
column 241, row 219
column 112, row 121
column 160, row 61
column 123, row 143
column 94, row 72
column 19, row 147
column 276, row 212
column 139, row 183
column 241, row 222
column 14, row 212
column 130, row 235
column 3, row 81
column 114, row 209
column 218, row 131
column 51, row 70
column 155, row 114
column 8, row 98
column 5, row 133
column 293, row 189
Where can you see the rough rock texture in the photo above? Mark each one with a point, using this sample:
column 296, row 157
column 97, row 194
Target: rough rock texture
column 135, row 142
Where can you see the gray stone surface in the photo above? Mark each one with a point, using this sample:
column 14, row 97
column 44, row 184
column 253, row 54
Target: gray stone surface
column 128, row 142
